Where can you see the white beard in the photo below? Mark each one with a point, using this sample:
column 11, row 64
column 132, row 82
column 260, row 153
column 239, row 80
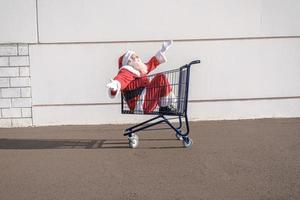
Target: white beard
column 140, row 66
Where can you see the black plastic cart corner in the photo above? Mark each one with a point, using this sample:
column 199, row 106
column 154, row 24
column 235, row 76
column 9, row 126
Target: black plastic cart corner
column 179, row 81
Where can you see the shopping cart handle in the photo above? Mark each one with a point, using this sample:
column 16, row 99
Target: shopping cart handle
column 194, row 62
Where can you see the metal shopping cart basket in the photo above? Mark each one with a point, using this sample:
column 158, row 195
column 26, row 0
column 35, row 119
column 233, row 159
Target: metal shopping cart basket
column 178, row 82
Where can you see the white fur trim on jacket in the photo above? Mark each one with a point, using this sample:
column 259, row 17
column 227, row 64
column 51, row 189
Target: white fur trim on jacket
column 118, row 91
column 140, row 102
column 161, row 57
column 131, row 69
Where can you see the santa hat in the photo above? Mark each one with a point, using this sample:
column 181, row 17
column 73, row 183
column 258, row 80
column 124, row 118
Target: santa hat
column 123, row 60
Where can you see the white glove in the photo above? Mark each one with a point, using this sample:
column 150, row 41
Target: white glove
column 166, row 45
column 113, row 85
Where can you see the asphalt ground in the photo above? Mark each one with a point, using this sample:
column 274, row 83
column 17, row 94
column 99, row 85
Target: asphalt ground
column 244, row 159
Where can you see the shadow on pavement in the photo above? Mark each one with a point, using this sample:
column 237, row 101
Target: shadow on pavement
column 72, row 144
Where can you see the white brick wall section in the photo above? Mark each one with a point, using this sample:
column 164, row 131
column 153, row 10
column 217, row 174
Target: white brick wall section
column 4, row 61
column 11, row 112
column 19, row 61
column 20, row 82
column 4, row 82
column 9, row 71
column 5, row 103
column 8, row 50
column 23, row 49
column 26, row 112
column 21, row 102
column 22, row 122
column 24, row 71
column 26, row 92
column 10, row 92
column 5, row 123
column 15, row 86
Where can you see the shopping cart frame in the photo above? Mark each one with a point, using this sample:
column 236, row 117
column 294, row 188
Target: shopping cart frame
column 162, row 117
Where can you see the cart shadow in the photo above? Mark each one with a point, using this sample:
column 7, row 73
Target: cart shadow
column 74, row 144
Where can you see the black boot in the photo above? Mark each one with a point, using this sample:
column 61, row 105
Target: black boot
column 168, row 110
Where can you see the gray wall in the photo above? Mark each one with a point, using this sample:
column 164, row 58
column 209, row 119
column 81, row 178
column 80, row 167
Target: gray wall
column 250, row 53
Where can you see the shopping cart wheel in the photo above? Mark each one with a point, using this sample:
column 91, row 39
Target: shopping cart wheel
column 133, row 141
column 178, row 136
column 187, row 142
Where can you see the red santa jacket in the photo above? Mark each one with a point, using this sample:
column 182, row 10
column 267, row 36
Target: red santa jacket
column 133, row 89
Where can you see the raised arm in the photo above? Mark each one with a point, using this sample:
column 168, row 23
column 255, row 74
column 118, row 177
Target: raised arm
column 120, row 82
column 160, row 56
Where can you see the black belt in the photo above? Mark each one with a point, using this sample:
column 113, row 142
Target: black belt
column 129, row 94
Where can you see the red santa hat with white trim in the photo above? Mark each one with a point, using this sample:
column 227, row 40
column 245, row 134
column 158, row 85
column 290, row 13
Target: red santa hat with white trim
column 123, row 60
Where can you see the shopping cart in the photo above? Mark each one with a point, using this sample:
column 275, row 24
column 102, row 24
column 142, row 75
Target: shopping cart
column 178, row 81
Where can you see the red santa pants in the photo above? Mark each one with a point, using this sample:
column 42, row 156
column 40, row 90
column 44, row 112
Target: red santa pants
column 158, row 87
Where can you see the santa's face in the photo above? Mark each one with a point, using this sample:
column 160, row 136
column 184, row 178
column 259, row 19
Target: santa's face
column 136, row 62
column 135, row 58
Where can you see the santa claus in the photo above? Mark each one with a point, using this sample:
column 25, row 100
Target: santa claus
column 141, row 94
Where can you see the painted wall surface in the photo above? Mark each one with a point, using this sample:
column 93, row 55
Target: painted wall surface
column 93, row 20
column 250, row 53
column 239, row 69
column 18, row 22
